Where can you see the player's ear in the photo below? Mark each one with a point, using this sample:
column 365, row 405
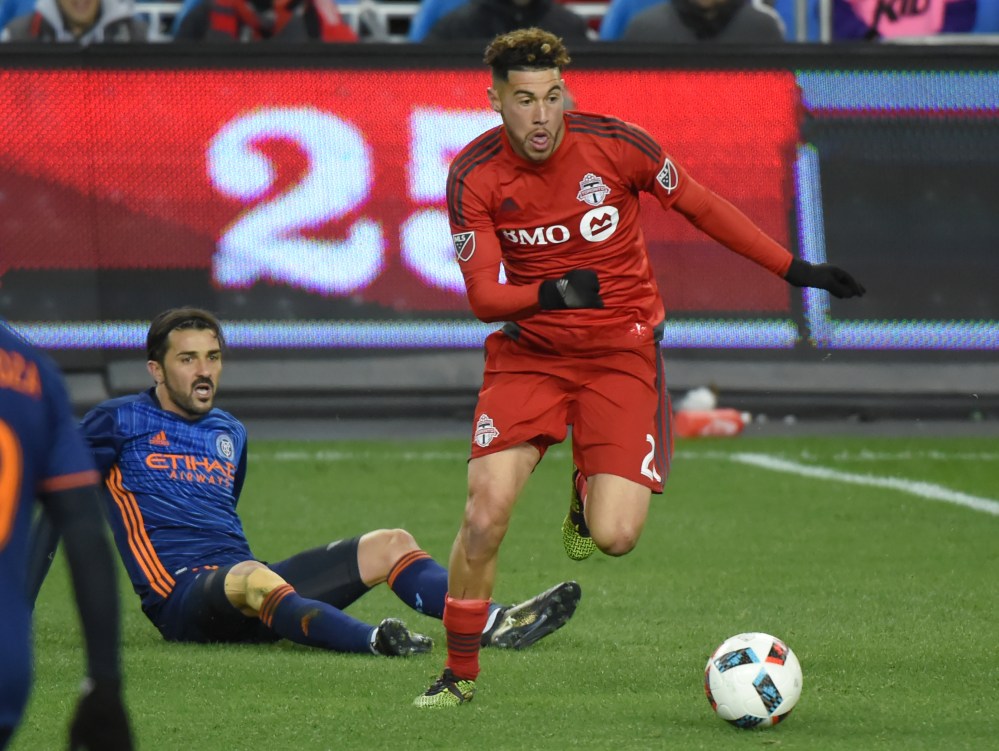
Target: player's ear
column 494, row 99
column 155, row 371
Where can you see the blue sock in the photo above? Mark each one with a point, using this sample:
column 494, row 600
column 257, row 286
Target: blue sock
column 313, row 623
column 420, row 582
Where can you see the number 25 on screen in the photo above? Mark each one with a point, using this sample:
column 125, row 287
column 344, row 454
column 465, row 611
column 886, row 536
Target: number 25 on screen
column 270, row 239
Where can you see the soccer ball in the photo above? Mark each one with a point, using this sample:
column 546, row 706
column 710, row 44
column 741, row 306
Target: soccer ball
column 753, row 680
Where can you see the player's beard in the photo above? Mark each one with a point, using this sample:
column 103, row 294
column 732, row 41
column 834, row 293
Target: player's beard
column 185, row 400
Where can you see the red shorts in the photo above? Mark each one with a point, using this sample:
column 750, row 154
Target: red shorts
column 616, row 403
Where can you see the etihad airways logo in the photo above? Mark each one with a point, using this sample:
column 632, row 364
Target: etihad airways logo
column 199, row 469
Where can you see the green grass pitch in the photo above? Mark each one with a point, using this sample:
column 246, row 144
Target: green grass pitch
column 876, row 560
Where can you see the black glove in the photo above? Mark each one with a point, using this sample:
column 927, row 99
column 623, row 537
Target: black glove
column 100, row 723
column 579, row 288
column 824, row 276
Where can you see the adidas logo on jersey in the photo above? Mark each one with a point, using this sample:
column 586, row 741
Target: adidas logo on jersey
column 160, row 439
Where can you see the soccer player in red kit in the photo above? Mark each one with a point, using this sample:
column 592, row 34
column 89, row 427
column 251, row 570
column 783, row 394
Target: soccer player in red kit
column 554, row 196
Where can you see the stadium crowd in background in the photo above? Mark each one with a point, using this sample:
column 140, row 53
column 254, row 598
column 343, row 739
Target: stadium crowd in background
column 583, row 315
column 700, row 21
column 43, row 457
column 324, row 20
column 262, row 20
column 174, row 466
column 484, row 19
column 80, row 21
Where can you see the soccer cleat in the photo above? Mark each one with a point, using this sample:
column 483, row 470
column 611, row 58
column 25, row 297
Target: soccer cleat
column 519, row 626
column 393, row 639
column 446, row 691
column 575, row 534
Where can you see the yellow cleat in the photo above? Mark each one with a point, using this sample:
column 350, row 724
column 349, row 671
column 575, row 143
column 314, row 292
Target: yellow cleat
column 575, row 534
column 447, row 691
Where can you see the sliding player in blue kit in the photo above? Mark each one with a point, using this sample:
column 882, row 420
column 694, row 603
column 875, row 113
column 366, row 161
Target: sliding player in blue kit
column 174, row 466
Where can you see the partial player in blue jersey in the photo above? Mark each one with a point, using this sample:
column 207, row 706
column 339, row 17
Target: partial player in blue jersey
column 174, row 466
column 43, row 457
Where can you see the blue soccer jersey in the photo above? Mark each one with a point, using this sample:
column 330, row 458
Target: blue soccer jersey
column 41, row 450
column 172, row 486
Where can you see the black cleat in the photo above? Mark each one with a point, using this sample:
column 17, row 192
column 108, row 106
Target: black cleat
column 519, row 626
column 393, row 639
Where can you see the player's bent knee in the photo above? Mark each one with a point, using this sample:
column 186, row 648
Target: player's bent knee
column 380, row 550
column 620, row 542
column 398, row 541
column 248, row 583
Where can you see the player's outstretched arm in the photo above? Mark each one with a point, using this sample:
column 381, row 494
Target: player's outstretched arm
column 825, row 276
column 722, row 221
column 579, row 288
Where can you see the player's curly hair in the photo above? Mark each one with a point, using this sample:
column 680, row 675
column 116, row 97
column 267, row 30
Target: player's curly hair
column 179, row 318
column 526, row 49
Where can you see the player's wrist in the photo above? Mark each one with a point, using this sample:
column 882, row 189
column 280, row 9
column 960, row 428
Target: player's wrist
column 799, row 273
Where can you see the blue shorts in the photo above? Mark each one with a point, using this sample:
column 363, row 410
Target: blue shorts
column 198, row 610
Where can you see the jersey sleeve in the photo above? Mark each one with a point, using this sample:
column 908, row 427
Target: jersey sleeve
column 68, row 463
column 723, row 222
column 100, row 430
column 479, row 256
column 675, row 189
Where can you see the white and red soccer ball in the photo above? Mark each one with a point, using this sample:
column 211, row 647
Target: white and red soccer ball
column 753, row 680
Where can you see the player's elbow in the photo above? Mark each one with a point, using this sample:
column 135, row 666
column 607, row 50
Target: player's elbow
column 483, row 308
column 487, row 315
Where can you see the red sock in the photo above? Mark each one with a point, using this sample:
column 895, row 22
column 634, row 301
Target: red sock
column 464, row 621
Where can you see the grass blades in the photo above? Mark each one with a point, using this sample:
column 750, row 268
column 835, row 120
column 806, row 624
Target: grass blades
column 888, row 597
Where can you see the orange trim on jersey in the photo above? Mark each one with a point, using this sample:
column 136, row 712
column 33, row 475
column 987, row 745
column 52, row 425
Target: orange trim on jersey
column 405, row 562
column 138, row 541
column 70, row 481
column 11, row 476
column 270, row 603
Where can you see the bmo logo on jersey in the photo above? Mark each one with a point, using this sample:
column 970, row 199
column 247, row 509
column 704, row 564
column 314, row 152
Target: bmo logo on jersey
column 598, row 224
column 553, row 235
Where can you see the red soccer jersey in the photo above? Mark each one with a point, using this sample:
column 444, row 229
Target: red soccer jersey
column 578, row 209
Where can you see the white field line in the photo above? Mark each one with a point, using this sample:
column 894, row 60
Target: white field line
column 843, row 456
column 927, row 490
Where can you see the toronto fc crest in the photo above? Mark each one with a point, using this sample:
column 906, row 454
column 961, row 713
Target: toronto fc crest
column 485, row 431
column 592, row 190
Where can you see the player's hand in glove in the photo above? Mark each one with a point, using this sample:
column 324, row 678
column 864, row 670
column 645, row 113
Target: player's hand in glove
column 578, row 288
column 824, row 276
column 100, row 723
